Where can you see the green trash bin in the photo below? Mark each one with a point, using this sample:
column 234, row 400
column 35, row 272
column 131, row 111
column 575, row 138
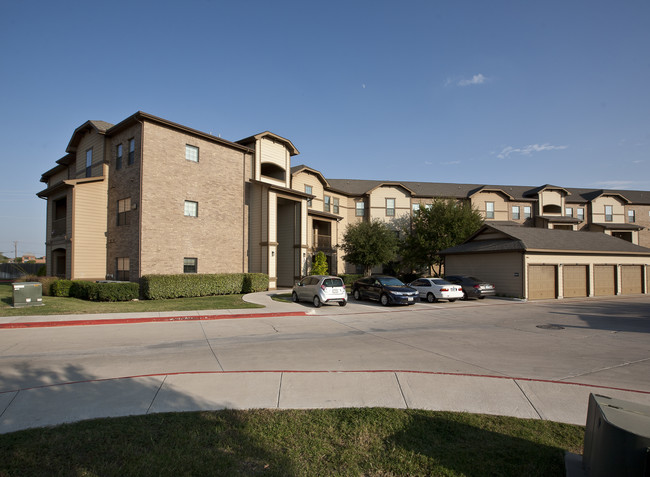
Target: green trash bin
column 27, row 294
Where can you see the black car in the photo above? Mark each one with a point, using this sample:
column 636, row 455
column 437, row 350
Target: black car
column 472, row 287
column 386, row 290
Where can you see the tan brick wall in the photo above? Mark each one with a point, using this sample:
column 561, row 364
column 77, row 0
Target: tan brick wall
column 218, row 237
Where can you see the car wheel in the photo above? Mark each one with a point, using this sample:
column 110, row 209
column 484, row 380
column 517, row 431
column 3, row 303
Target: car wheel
column 384, row 299
column 431, row 298
column 356, row 295
column 294, row 297
column 317, row 302
column 343, row 303
column 451, row 300
column 481, row 297
column 464, row 295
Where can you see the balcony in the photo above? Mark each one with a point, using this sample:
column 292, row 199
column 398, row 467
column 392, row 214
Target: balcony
column 58, row 227
column 322, row 241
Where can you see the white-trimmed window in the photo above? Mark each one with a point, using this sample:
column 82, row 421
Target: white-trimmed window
column 190, row 265
column 191, row 153
column 580, row 214
column 335, row 202
column 489, row 210
column 89, row 162
column 191, row 208
column 631, row 216
column 308, row 190
column 360, row 208
column 122, row 267
column 327, row 203
column 416, row 207
column 527, row 212
column 123, row 209
column 515, row 212
column 390, row 207
column 568, row 211
column 609, row 213
column 118, row 156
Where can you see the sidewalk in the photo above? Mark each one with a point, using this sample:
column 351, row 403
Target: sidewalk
column 286, row 389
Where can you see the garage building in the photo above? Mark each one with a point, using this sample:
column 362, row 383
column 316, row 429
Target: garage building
column 535, row 263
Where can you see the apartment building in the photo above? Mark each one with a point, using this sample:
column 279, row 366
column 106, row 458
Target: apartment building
column 149, row 196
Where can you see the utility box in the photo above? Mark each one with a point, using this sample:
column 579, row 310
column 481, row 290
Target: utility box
column 27, row 294
column 617, row 438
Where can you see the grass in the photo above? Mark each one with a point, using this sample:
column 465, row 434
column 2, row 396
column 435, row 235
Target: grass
column 369, row 442
column 65, row 306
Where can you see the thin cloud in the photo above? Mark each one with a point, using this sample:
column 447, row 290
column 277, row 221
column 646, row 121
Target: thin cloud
column 625, row 185
column 528, row 150
column 450, row 163
column 476, row 79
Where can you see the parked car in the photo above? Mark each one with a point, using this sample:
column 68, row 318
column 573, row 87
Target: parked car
column 319, row 289
column 472, row 287
column 434, row 289
column 386, row 290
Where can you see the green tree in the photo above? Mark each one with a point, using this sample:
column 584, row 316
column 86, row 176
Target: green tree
column 444, row 224
column 369, row 244
column 320, row 264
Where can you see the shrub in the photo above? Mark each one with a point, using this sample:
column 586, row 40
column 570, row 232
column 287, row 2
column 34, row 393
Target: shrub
column 60, row 288
column 125, row 291
column 350, row 278
column 155, row 287
column 83, row 290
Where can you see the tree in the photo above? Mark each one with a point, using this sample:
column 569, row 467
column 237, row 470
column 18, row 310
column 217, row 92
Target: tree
column 443, row 224
column 369, row 244
column 320, row 264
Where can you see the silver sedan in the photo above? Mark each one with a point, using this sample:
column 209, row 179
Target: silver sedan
column 434, row 289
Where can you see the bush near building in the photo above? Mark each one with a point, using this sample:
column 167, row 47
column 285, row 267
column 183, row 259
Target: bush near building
column 155, row 287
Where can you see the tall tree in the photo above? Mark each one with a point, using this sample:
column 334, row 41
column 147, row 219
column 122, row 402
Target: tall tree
column 369, row 244
column 438, row 226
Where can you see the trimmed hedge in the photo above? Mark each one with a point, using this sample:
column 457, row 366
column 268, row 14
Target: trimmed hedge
column 125, row 291
column 60, row 288
column 156, row 287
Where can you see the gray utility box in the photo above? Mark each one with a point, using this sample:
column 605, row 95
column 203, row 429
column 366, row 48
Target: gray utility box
column 27, row 294
column 617, row 438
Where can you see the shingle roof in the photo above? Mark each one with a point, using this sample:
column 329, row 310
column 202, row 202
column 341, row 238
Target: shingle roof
column 516, row 237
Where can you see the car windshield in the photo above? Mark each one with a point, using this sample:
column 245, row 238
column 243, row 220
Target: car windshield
column 390, row 282
column 333, row 282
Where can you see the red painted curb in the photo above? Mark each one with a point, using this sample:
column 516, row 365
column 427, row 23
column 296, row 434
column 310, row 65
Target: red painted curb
column 126, row 321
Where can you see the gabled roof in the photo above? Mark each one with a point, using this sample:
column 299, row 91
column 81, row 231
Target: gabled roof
column 296, row 169
column 508, row 238
column 100, row 126
column 293, row 151
column 537, row 190
column 490, row 189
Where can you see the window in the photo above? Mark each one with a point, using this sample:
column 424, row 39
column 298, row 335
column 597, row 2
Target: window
column 89, row 162
column 609, row 213
column 191, row 153
column 416, row 207
column 580, row 213
column 118, row 157
column 489, row 210
column 631, row 216
column 123, row 209
column 326, row 205
column 515, row 212
column 336, row 205
column 527, row 212
column 190, row 265
column 568, row 211
column 191, row 208
column 131, row 159
column 308, row 190
column 360, row 208
column 390, row 207
column 122, row 267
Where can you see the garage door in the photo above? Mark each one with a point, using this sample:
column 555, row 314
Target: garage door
column 604, row 280
column 575, row 282
column 541, row 282
column 631, row 279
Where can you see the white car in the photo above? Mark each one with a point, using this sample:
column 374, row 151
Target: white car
column 434, row 289
column 320, row 289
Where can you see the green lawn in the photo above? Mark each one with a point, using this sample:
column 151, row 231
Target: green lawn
column 64, row 306
column 369, row 442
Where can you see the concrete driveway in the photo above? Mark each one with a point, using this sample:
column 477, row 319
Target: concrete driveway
column 528, row 359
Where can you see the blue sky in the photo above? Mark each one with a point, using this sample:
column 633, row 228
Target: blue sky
column 499, row 92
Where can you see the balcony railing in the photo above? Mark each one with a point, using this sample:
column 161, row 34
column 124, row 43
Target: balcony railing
column 58, row 227
column 323, row 241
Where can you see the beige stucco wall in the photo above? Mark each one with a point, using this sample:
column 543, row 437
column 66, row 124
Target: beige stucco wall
column 218, row 237
column 501, row 205
column 550, row 197
column 598, row 209
column 378, row 202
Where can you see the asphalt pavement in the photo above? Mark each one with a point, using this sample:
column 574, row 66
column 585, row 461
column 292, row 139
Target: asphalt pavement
column 280, row 386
